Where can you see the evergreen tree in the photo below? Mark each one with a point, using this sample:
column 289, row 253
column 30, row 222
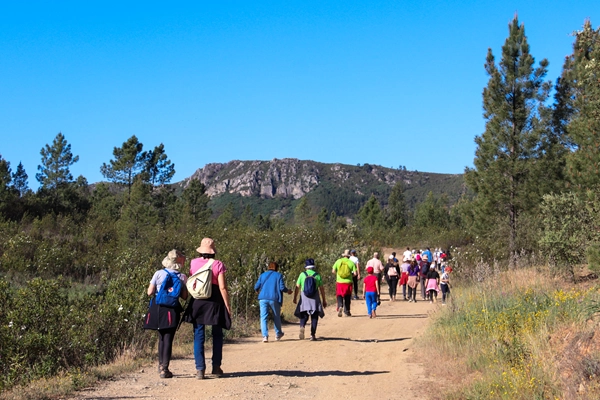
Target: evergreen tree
column 505, row 177
column 19, row 178
column 583, row 165
column 195, row 202
column 138, row 215
column 56, row 160
column 129, row 161
column 370, row 215
column 433, row 212
column 322, row 218
column 158, row 168
column 302, row 211
column 396, row 210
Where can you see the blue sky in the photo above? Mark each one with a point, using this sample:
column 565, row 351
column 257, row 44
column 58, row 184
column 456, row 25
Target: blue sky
column 380, row 82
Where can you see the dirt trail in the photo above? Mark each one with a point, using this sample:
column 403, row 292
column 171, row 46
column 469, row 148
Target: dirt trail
column 354, row 357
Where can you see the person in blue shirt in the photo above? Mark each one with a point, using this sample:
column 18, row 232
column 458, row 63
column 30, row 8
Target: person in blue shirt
column 270, row 288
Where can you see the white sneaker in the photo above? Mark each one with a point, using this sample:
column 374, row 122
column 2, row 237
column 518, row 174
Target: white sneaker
column 265, row 339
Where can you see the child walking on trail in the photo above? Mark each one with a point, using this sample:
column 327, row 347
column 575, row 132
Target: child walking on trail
column 432, row 284
column 445, row 284
column 371, row 292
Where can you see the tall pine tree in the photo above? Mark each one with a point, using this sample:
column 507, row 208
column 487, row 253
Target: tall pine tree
column 506, row 174
column 583, row 165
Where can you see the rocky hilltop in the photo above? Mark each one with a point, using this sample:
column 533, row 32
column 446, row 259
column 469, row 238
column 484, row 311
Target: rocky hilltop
column 292, row 179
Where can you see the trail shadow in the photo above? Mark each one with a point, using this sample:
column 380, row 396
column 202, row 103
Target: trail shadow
column 303, row 374
column 365, row 340
column 393, row 316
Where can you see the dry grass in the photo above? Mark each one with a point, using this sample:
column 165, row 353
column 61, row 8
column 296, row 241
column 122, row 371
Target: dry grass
column 520, row 334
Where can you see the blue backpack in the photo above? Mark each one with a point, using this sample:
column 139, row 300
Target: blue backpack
column 310, row 285
column 169, row 292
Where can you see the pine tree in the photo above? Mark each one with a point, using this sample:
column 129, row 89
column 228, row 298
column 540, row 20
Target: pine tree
column 19, row 178
column 583, row 165
column 158, row 167
column 370, row 215
column 129, row 161
column 195, row 202
column 302, row 212
column 56, row 160
column 396, row 210
column 505, row 177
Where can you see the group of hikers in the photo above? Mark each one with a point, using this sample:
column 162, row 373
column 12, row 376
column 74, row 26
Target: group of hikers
column 208, row 302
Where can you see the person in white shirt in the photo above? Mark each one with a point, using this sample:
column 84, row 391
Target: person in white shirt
column 377, row 267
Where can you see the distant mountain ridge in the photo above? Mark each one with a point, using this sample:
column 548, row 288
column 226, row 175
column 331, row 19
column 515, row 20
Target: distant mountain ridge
column 338, row 187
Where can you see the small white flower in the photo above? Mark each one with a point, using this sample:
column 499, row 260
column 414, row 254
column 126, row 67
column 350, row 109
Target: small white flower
column 10, row 324
column 120, row 308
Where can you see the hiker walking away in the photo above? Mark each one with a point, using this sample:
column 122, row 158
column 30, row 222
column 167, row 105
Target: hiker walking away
column 413, row 281
column 445, row 284
column 377, row 267
column 392, row 272
column 371, row 292
column 424, row 269
column 407, row 255
column 309, row 285
column 344, row 269
column 165, row 308
column 404, row 276
column 427, row 253
column 214, row 310
column 433, row 284
column 355, row 278
column 270, row 288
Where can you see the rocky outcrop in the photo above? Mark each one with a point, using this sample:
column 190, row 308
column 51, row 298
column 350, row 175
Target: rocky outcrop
column 288, row 178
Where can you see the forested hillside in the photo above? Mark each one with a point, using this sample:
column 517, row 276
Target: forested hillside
column 274, row 188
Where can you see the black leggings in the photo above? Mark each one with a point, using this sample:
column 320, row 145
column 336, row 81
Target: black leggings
column 393, row 285
column 355, row 284
column 165, row 346
column 412, row 293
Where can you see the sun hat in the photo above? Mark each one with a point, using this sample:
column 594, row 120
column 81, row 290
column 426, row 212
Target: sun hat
column 448, row 269
column 170, row 261
column 309, row 263
column 390, row 257
column 207, row 246
column 369, row 270
column 346, row 253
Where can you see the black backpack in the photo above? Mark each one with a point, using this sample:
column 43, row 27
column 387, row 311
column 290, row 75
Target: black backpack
column 310, row 285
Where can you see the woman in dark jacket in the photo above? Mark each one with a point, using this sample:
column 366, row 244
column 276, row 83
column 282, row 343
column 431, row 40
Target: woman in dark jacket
column 214, row 311
column 392, row 273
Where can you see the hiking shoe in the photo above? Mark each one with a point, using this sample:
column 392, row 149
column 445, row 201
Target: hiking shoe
column 266, row 339
column 278, row 337
column 348, row 314
column 166, row 374
column 200, row 374
column 217, row 371
column 313, row 338
column 301, row 335
column 339, row 312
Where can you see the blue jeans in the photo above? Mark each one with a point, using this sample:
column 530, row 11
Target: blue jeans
column 371, row 300
column 217, row 356
column 264, row 315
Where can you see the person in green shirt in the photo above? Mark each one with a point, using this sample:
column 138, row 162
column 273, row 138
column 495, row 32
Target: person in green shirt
column 344, row 269
column 310, row 303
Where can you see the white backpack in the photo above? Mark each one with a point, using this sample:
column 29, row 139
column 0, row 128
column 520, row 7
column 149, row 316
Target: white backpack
column 199, row 285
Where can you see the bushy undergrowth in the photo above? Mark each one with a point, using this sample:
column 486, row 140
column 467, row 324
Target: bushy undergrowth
column 503, row 332
column 55, row 317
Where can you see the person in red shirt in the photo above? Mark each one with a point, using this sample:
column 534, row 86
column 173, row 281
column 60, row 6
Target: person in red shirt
column 371, row 292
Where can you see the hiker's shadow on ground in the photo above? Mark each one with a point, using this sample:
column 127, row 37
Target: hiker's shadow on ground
column 304, row 374
column 364, row 340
